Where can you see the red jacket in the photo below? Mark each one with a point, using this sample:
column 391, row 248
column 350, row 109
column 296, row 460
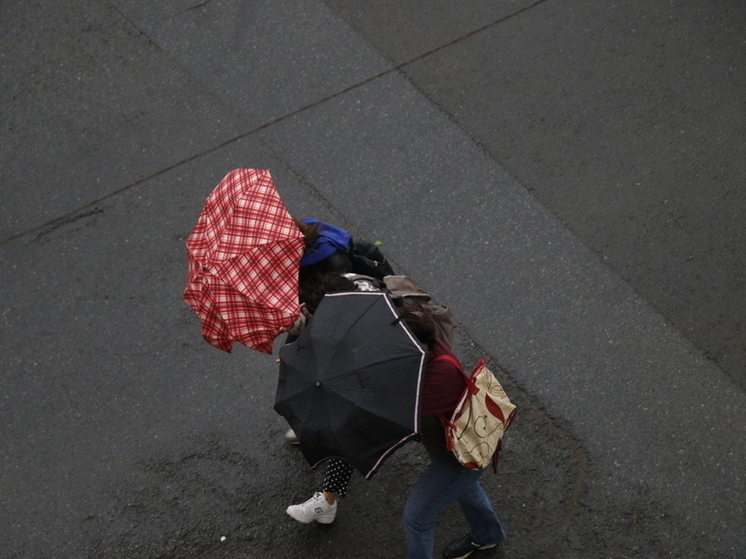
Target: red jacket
column 442, row 389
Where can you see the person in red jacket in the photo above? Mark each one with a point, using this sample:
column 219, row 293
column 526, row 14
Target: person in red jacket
column 445, row 480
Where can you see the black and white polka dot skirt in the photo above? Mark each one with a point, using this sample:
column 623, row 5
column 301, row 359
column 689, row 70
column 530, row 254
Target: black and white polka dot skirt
column 337, row 477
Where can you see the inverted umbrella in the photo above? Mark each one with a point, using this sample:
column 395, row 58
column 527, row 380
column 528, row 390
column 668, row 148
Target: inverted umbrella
column 244, row 256
column 349, row 386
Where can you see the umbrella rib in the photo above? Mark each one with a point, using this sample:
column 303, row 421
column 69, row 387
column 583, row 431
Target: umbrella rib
column 376, row 297
column 358, row 319
column 372, row 364
column 379, row 390
column 396, row 322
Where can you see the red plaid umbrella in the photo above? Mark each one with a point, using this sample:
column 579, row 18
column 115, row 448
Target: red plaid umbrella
column 244, row 256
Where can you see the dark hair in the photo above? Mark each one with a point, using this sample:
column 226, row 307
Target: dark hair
column 310, row 233
column 314, row 286
column 420, row 321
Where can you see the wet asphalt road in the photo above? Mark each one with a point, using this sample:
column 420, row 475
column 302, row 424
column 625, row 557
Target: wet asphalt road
column 566, row 176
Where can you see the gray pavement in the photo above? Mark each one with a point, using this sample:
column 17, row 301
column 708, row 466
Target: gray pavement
column 567, row 176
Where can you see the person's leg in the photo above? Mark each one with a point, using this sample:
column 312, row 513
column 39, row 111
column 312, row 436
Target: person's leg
column 336, row 479
column 484, row 523
column 442, row 482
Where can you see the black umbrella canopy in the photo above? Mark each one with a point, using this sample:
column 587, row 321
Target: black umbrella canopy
column 349, row 386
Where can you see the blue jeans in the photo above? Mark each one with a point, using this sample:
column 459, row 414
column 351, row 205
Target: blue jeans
column 445, row 481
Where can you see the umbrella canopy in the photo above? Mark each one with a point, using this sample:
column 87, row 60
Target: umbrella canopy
column 349, row 386
column 244, row 256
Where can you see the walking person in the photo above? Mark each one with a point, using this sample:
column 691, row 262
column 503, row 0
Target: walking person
column 444, row 480
column 321, row 507
column 327, row 266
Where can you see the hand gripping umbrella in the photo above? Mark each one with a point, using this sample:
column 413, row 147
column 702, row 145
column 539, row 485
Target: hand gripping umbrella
column 349, row 386
column 244, row 256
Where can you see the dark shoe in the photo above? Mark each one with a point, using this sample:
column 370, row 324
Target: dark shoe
column 463, row 547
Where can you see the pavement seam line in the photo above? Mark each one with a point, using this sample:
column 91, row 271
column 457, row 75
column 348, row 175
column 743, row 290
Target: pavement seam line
column 397, row 68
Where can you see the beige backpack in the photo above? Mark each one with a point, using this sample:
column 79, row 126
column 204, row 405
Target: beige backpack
column 476, row 428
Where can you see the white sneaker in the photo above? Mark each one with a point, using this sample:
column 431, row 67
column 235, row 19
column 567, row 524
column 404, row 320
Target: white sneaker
column 316, row 508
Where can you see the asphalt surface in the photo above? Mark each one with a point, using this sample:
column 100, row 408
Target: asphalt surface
column 567, row 176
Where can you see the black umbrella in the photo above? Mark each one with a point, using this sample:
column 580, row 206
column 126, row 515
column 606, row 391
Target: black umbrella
column 349, row 386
